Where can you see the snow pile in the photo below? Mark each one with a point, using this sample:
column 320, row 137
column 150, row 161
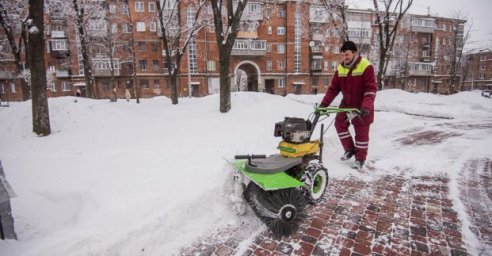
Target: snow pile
column 127, row 179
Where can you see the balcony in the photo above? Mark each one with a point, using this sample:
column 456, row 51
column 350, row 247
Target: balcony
column 6, row 75
column 248, row 47
column 253, row 11
column 63, row 73
column 420, row 68
column 106, row 72
column 423, row 25
column 59, row 54
column 58, row 34
column 318, row 15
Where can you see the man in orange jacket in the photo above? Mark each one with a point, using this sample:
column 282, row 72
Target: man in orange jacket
column 356, row 80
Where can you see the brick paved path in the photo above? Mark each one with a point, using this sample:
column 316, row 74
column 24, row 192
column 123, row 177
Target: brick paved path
column 393, row 215
column 476, row 194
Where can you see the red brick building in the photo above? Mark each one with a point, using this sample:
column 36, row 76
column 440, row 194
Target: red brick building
column 477, row 71
column 282, row 47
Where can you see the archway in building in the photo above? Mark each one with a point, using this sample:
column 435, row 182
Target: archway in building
column 247, row 77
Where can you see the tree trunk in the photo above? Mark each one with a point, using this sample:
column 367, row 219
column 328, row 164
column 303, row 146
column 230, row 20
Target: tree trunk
column 40, row 113
column 86, row 61
column 174, row 86
column 225, row 83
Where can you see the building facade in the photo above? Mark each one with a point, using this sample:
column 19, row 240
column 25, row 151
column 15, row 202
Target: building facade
column 282, row 47
column 477, row 71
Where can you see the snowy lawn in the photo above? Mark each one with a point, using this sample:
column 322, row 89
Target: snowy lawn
column 147, row 179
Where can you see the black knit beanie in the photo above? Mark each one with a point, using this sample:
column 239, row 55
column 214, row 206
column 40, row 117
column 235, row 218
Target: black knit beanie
column 349, row 45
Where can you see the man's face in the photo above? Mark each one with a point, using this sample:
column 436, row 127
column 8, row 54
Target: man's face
column 347, row 56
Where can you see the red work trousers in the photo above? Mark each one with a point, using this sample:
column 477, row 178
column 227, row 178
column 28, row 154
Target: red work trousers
column 361, row 144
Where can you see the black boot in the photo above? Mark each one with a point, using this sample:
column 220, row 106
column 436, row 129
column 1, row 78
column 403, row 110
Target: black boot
column 358, row 164
column 347, row 155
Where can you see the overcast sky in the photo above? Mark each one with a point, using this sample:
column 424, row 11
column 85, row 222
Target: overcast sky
column 477, row 12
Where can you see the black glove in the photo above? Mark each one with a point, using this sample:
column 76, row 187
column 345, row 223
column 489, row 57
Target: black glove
column 363, row 112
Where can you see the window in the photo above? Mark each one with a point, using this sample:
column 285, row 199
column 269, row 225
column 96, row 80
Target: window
column 481, row 76
column 166, row 68
column 152, row 26
column 280, row 30
column 142, row 46
column 151, row 7
column 144, row 84
column 269, row 47
column 154, row 46
column 269, row 65
column 337, row 49
column 2, row 89
column 281, row 64
column 314, row 82
column 426, row 53
column 126, row 27
column 281, row 13
column 114, row 28
column 281, row 48
column 140, row 26
column 326, row 65
column 269, row 30
column 334, row 65
column 326, row 82
column 52, row 87
column 157, row 84
column 59, row 45
column 254, row 7
column 139, row 7
column 483, row 57
column 316, row 64
column 66, row 86
column 106, row 86
column 112, row 8
column 211, row 65
column 124, row 10
column 12, row 88
column 143, row 64
column 155, row 64
column 281, row 82
column 482, row 67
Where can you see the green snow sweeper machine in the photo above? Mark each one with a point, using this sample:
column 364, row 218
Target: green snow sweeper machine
column 279, row 187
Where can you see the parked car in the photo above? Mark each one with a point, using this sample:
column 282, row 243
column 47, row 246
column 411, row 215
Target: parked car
column 487, row 93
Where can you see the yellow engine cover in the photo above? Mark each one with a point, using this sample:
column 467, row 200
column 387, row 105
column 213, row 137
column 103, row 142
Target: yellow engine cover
column 297, row 150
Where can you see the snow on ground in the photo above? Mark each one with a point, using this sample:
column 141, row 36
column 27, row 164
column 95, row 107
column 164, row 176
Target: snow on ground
column 147, row 179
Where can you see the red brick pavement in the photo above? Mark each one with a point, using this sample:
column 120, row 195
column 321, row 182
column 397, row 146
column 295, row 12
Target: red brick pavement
column 393, row 215
column 476, row 194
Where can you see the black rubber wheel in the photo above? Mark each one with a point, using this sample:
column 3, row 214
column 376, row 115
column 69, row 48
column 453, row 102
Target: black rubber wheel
column 316, row 180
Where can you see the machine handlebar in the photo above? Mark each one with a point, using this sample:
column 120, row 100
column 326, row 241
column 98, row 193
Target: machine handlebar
column 237, row 157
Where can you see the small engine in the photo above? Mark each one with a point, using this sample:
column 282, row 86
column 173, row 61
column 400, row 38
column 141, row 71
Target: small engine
column 293, row 129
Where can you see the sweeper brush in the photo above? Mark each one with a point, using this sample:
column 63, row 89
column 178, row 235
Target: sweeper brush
column 282, row 210
column 279, row 187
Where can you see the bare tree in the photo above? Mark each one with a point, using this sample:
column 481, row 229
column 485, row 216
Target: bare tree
column 228, row 12
column 388, row 19
column 13, row 21
column 455, row 50
column 40, row 113
column 176, row 36
column 88, row 17
column 114, row 46
column 337, row 16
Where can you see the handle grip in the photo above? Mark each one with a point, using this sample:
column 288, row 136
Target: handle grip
column 237, row 157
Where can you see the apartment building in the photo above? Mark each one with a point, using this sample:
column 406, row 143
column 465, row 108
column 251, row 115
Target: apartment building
column 282, row 47
column 478, row 71
column 424, row 52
